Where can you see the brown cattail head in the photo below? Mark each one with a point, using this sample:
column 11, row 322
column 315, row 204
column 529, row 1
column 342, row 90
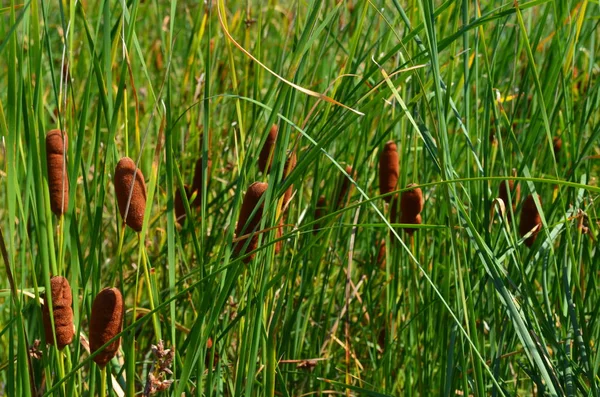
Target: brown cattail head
column 411, row 202
column 266, row 154
column 62, row 299
column 319, row 212
column 58, row 180
column 344, row 187
column 197, row 183
column 124, row 179
column 179, row 206
column 389, row 169
column 381, row 338
column 530, row 218
column 515, row 194
column 557, row 145
column 209, row 348
column 246, row 225
column 106, row 322
column 416, row 220
column 290, row 164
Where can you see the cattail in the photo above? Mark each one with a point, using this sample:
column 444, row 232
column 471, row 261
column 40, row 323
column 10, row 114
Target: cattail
column 389, row 169
column 209, row 347
column 58, row 181
column 179, row 206
column 197, row 183
column 266, row 154
column 278, row 235
column 530, row 219
column 411, row 202
column 62, row 299
column 344, row 187
column 319, row 212
column 290, row 164
column 124, row 178
column 557, row 145
column 416, row 220
column 247, row 226
column 106, row 322
column 515, row 194
column 381, row 338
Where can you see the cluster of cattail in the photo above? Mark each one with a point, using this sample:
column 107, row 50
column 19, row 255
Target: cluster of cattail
column 106, row 322
column 530, row 220
column 410, row 202
column 249, row 220
column 130, row 189
column 58, row 181
column 265, row 161
column 62, row 300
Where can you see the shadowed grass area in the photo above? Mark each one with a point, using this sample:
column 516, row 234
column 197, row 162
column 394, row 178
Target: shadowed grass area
column 342, row 294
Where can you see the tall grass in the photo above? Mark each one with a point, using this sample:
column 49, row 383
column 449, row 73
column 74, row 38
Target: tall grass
column 471, row 92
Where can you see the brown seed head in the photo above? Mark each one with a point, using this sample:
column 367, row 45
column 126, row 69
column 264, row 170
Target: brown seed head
column 197, row 183
column 290, row 164
column 515, row 193
column 416, row 220
column 246, row 225
column 124, row 178
column 389, row 169
column 62, row 299
column 411, row 202
column 344, row 187
column 106, row 322
column 179, row 206
column 530, row 218
column 58, row 180
column 319, row 212
column 557, row 145
column 209, row 348
column 266, row 154
column 381, row 337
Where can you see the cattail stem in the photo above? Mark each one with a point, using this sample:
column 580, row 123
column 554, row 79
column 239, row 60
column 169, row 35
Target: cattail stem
column 61, row 368
column 71, row 391
column 102, row 382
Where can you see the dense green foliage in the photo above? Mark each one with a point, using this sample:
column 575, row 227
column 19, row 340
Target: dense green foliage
column 472, row 92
